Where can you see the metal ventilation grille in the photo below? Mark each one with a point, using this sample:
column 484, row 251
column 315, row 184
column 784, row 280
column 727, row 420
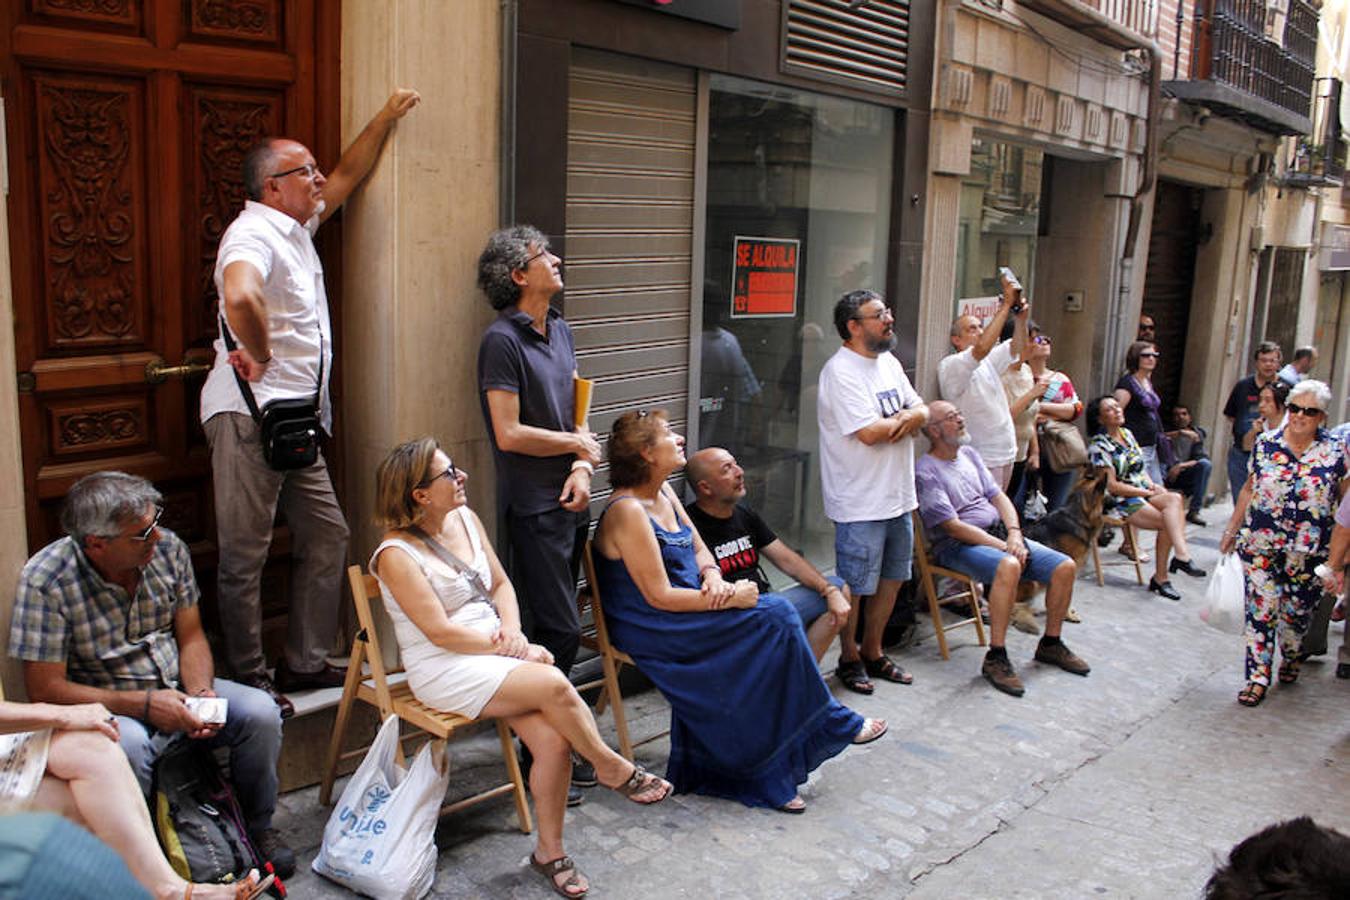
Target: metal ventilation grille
column 866, row 46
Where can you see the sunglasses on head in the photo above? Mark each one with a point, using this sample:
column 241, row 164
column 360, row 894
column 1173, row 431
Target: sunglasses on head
column 1296, row 410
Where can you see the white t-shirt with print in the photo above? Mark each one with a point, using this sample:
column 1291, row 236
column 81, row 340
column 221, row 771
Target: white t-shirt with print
column 975, row 386
column 864, row 483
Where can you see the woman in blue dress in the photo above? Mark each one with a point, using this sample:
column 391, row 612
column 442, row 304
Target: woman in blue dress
column 750, row 715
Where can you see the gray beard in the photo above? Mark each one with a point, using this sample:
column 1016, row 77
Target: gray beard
column 963, row 439
column 879, row 345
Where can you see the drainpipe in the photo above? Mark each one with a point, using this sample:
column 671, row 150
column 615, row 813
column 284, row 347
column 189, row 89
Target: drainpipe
column 506, row 162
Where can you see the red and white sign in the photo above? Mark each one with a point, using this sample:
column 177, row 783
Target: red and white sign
column 982, row 308
column 764, row 277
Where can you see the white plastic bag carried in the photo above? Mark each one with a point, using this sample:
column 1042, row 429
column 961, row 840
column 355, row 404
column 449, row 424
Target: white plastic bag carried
column 380, row 839
column 1226, row 596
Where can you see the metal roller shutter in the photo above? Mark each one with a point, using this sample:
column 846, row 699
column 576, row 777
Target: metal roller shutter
column 630, row 209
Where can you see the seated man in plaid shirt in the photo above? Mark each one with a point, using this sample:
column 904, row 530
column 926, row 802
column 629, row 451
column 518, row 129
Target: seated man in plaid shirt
column 109, row 615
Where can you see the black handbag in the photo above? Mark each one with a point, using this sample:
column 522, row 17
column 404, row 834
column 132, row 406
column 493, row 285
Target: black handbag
column 288, row 427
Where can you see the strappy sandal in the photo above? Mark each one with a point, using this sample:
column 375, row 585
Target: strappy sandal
column 1289, row 670
column 551, row 871
column 871, row 730
column 796, row 806
column 640, row 782
column 1252, row 694
column 884, row 667
column 247, row 889
column 854, row 677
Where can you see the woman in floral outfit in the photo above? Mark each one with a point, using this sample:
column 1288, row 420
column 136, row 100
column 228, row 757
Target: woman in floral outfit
column 1281, row 527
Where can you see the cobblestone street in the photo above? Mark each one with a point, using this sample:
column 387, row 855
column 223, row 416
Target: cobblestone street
column 1127, row 783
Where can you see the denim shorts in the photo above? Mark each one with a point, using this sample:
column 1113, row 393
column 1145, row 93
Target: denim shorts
column 866, row 552
column 981, row 562
column 808, row 604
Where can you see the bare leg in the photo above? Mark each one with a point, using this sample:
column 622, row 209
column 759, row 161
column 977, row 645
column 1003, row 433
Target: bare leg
column 1058, row 595
column 848, row 645
column 821, row 633
column 89, row 776
column 542, row 689
column 879, row 608
column 550, row 775
column 1174, row 520
column 1001, row 594
column 1151, row 518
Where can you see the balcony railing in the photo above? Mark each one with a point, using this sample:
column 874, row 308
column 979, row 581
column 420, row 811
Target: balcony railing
column 1135, row 21
column 1236, row 67
column 1139, row 16
column 1319, row 158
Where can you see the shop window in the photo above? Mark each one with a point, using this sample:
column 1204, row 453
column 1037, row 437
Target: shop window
column 1000, row 211
column 798, row 212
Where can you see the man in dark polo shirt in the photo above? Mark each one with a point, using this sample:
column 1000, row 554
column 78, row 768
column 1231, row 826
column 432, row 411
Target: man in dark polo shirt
column 1241, row 410
column 526, row 369
column 737, row 536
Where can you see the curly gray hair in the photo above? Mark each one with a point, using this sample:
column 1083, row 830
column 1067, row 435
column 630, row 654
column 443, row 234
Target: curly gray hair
column 506, row 251
column 1319, row 392
column 101, row 504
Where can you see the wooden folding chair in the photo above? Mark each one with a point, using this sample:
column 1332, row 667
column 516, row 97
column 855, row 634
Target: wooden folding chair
column 394, row 697
column 1131, row 536
column 612, row 659
column 928, row 571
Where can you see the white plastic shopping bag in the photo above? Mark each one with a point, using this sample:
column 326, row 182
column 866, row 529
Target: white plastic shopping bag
column 1226, row 596
column 380, row 839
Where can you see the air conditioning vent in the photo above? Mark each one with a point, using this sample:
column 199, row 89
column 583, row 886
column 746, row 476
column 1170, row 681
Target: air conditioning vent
column 861, row 44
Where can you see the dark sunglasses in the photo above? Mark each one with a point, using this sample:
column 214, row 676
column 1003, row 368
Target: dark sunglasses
column 1041, row 339
column 1150, row 353
column 144, row 534
column 1296, row 410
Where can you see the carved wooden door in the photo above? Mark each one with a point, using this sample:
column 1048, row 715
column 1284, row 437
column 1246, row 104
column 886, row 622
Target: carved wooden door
column 126, row 124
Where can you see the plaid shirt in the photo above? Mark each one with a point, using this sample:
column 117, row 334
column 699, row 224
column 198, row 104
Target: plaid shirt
column 67, row 612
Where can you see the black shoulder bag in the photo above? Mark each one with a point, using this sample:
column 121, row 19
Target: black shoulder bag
column 289, row 426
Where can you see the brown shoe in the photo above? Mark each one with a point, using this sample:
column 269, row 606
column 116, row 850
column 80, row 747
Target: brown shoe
column 327, row 677
column 1058, row 654
column 1000, row 673
column 267, row 686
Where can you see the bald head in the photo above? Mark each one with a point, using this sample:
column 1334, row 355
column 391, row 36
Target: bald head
column 715, row 476
column 938, row 410
column 966, row 330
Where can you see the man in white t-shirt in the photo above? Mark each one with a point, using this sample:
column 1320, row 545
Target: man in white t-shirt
column 270, row 283
column 868, row 412
column 971, row 378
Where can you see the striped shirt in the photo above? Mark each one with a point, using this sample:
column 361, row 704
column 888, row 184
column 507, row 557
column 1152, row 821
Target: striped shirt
column 65, row 611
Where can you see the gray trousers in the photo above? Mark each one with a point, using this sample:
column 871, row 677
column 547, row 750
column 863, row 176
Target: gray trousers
column 1315, row 641
column 248, row 493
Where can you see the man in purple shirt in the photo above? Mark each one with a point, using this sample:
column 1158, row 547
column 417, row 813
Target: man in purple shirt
column 973, row 528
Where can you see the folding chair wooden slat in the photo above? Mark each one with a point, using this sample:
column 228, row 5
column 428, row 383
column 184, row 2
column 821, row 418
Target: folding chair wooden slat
column 928, row 571
column 397, row 699
column 1131, row 537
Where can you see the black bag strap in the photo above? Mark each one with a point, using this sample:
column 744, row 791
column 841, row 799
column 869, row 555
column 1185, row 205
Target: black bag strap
column 244, row 387
column 454, row 562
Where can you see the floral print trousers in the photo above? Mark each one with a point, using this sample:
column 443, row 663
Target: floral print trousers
column 1282, row 594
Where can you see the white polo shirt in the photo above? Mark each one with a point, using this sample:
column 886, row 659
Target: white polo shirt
column 975, row 386
column 282, row 250
column 862, row 483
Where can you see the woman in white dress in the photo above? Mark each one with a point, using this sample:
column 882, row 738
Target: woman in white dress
column 66, row 759
column 458, row 627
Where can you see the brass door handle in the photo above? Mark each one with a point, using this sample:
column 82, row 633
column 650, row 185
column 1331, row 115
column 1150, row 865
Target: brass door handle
column 157, row 371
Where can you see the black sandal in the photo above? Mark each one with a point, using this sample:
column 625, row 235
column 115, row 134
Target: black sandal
column 551, row 871
column 1289, row 670
column 884, row 667
column 1252, row 694
column 854, row 677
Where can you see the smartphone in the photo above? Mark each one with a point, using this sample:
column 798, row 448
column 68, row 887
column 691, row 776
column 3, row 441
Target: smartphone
column 1008, row 277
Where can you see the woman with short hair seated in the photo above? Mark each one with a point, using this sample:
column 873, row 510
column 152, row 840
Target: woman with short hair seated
column 66, row 759
column 750, row 715
column 458, row 628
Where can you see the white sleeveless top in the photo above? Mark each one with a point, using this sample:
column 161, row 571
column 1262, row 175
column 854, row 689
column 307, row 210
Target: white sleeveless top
column 455, row 682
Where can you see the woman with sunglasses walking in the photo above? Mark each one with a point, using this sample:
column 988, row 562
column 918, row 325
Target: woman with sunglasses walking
column 1281, row 528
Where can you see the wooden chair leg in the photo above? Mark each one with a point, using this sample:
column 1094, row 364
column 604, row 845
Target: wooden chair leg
column 344, row 713
column 979, row 616
column 1133, row 537
column 1097, row 563
column 616, row 704
column 935, row 613
column 517, row 780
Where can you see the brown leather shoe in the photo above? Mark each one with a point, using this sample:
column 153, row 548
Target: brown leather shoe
column 1058, row 654
column 265, row 684
column 1000, row 673
column 327, row 677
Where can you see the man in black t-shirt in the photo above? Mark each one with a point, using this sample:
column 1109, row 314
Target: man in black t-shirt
column 737, row 536
column 1241, row 409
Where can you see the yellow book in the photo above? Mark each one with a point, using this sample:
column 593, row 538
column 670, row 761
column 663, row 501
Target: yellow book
column 582, row 388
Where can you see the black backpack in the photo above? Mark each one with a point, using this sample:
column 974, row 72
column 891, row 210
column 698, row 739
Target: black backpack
column 197, row 820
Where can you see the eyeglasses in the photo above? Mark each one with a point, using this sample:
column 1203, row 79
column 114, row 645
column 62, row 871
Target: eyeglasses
column 309, row 170
column 1041, row 339
column 954, row 414
column 449, row 472
column 1296, row 410
column 144, row 534
column 532, row 257
column 1152, row 353
column 883, row 315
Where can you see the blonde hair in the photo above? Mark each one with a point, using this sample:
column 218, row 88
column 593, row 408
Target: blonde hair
column 405, row 469
column 632, row 433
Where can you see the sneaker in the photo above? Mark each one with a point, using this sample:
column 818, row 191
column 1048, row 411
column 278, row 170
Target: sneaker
column 1057, row 654
column 1194, row 519
column 268, row 686
column 1000, row 673
column 574, row 795
column 272, row 848
column 583, row 773
column 1023, row 619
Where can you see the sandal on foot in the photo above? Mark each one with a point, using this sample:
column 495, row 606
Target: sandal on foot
column 854, row 677
column 796, row 806
column 1072, row 616
column 1252, row 694
column 884, row 667
column 1289, row 670
column 871, row 730
column 639, row 782
column 551, row 871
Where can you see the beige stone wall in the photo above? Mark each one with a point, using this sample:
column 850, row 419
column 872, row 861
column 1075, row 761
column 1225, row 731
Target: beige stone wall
column 411, row 236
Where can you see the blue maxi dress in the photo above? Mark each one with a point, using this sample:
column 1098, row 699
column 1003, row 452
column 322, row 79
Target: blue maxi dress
column 750, row 717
